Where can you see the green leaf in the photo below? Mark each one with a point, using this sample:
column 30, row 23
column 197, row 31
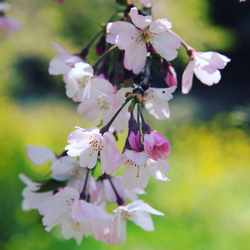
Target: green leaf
column 50, row 185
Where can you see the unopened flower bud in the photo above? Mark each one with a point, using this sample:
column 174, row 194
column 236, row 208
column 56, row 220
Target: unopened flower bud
column 101, row 45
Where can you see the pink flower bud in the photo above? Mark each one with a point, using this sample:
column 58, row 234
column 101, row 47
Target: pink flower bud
column 171, row 78
column 157, row 145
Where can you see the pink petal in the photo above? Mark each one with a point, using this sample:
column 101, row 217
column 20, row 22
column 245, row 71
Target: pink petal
column 160, row 25
column 166, row 44
column 139, row 21
column 140, row 158
column 215, row 59
column 135, row 57
column 58, row 48
column 120, row 26
column 124, row 39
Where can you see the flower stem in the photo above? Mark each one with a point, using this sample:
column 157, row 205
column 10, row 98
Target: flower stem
column 106, row 127
column 119, row 200
column 188, row 48
column 103, row 56
column 83, row 195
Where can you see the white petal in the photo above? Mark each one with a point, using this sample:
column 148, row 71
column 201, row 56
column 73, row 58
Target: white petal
column 166, row 44
column 58, row 67
column 187, row 77
column 40, row 154
column 160, row 25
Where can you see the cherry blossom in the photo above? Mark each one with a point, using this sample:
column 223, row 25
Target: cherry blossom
column 101, row 105
column 134, row 39
column 205, row 65
column 74, row 229
column 156, row 101
column 68, row 202
column 139, row 167
column 86, row 143
column 32, row 200
column 82, row 85
column 139, row 212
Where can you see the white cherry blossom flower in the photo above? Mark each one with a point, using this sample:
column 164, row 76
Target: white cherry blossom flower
column 139, row 212
column 74, row 229
column 135, row 39
column 139, row 167
column 40, row 154
column 156, row 101
column 205, row 65
column 82, row 85
column 31, row 199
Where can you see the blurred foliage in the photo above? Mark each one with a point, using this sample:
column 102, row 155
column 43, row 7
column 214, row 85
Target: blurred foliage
column 206, row 204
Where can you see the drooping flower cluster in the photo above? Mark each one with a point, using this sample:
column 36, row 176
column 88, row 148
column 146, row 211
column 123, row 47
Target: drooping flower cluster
column 75, row 196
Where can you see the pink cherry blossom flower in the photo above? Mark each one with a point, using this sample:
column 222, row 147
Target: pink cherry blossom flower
column 67, row 203
column 86, row 143
column 139, row 167
column 139, row 212
column 147, row 3
column 156, row 145
column 156, row 101
column 205, row 65
column 134, row 39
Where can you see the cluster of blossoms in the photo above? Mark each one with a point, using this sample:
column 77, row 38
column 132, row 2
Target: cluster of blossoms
column 74, row 197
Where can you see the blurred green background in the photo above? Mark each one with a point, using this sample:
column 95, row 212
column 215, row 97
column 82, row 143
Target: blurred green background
column 207, row 202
